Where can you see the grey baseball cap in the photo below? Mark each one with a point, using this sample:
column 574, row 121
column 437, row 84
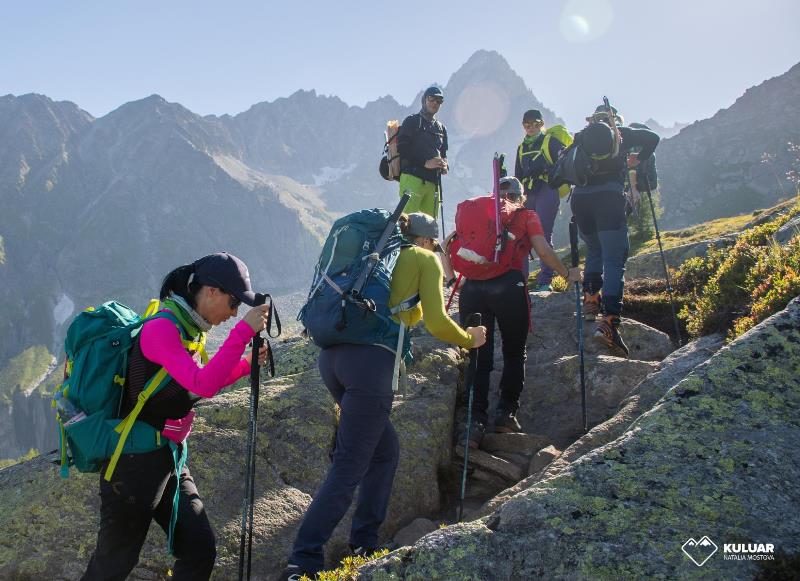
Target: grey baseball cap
column 511, row 186
column 227, row 272
column 423, row 226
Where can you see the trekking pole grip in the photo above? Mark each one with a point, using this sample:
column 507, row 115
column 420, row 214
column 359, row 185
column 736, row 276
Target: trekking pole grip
column 258, row 340
column 473, row 320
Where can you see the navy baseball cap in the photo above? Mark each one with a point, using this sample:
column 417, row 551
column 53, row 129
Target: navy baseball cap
column 227, row 272
column 433, row 91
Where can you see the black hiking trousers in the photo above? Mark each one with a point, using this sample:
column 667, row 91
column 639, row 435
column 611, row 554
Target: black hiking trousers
column 503, row 299
column 142, row 489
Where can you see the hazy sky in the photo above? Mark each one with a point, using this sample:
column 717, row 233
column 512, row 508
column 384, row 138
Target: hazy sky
column 676, row 60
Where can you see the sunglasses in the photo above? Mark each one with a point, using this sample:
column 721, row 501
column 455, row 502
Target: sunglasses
column 437, row 99
column 233, row 302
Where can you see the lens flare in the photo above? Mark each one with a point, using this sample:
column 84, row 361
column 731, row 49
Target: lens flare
column 481, row 109
column 585, row 20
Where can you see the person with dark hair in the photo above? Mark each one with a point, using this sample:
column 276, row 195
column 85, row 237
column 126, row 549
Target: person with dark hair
column 599, row 210
column 422, row 144
column 535, row 155
column 502, row 296
column 360, row 379
column 144, row 486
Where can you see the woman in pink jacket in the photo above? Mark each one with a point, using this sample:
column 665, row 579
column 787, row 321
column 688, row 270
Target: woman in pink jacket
column 143, row 486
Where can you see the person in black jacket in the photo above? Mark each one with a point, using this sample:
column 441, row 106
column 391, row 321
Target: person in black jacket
column 599, row 210
column 422, row 143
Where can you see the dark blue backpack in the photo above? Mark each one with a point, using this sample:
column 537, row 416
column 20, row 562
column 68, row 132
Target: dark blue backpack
column 349, row 297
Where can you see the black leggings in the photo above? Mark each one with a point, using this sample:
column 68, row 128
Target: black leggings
column 504, row 299
column 141, row 489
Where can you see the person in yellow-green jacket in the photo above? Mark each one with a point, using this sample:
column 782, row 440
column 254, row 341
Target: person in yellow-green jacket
column 535, row 155
column 360, row 379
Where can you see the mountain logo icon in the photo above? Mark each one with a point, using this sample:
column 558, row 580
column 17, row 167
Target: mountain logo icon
column 699, row 551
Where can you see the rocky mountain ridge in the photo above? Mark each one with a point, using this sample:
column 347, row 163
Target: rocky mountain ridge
column 714, row 168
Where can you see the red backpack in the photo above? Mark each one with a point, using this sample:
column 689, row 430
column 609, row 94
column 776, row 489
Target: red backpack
column 472, row 250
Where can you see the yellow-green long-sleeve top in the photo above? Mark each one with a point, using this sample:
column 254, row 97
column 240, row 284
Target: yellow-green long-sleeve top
column 419, row 271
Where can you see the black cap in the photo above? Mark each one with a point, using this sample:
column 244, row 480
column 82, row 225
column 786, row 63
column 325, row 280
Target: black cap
column 433, row 91
column 227, row 272
column 532, row 115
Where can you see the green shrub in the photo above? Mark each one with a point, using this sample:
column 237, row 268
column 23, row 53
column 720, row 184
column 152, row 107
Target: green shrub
column 349, row 569
column 735, row 288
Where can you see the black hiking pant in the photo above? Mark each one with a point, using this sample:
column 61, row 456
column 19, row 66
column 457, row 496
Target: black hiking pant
column 503, row 299
column 142, row 489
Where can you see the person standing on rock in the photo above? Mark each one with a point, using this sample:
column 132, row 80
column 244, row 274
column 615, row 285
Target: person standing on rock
column 503, row 298
column 422, row 144
column 599, row 210
column 143, row 486
column 360, row 379
column 530, row 169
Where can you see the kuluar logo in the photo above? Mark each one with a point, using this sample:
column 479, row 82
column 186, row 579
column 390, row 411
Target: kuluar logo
column 699, row 551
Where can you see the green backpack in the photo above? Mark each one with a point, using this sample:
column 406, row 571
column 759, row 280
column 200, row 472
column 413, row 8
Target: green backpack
column 89, row 401
column 560, row 133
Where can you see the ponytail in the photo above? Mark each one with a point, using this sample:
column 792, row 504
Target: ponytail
column 179, row 282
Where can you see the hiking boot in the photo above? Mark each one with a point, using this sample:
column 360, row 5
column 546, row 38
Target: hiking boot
column 608, row 335
column 476, row 432
column 294, row 573
column 591, row 306
column 543, row 288
column 506, row 422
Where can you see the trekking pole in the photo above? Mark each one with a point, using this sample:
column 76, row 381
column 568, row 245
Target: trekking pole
column 473, row 320
column 573, row 245
column 453, row 292
column 250, row 470
column 663, row 261
column 441, row 203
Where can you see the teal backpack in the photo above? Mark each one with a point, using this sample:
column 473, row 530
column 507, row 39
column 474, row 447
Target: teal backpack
column 89, row 401
column 336, row 311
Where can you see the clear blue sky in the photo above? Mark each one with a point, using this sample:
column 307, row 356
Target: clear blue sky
column 676, row 60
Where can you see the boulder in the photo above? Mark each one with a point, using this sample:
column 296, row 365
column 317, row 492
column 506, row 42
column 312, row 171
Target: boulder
column 716, row 456
column 788, row 231
column 514, row 443
column 410, row 534
column 670, row 371
column 551, row 401
column 542, row 458
column 296, row 428
column 503, row 468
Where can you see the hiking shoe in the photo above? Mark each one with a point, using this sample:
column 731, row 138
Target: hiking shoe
column 294, row 573
column 506, row 422
column 543, row 288
column 608, row 335
column 476, row 432
column 591, row 306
